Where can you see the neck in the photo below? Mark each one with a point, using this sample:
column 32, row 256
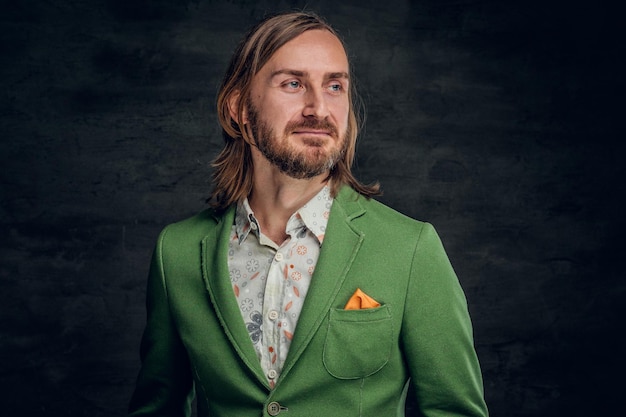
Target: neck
column 276, row 197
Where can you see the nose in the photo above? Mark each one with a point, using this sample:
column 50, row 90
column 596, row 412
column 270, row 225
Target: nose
column 315, row 104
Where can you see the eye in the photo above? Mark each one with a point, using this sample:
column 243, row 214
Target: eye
column 293, row 84
column 335, row 88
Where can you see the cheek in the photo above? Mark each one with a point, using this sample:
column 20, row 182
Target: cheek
column 341, row 112
column 274, row 117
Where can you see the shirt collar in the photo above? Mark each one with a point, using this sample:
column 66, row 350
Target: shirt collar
column 313, row 216
column 245, row 221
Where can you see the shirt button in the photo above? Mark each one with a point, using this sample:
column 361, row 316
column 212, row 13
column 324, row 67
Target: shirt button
column 271, row 374
column 273, row 408
column 273, row 315
column 279, row 256
column 253, row 226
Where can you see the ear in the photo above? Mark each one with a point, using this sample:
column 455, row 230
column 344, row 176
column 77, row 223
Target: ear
column 233, row 108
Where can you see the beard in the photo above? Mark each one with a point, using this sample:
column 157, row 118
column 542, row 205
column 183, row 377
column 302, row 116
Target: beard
column 296, row 164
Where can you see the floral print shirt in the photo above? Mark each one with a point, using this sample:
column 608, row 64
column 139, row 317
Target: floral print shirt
column 270, row 281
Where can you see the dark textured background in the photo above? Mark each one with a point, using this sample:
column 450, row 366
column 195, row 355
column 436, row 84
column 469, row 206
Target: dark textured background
column 494, row 120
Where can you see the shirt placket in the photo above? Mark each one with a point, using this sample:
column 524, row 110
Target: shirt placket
column 272, row 307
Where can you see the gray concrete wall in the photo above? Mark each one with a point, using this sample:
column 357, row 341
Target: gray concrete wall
column 497, row 121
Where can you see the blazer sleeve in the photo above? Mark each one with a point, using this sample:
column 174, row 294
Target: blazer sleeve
column 437, row 336
column 164, row 385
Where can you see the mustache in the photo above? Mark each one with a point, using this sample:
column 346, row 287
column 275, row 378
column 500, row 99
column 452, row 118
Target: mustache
column 315, row 124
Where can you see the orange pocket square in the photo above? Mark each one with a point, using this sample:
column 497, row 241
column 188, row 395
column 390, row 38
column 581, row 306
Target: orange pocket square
column 360, row 300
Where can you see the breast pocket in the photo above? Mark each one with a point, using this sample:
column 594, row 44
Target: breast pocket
column 358, row 342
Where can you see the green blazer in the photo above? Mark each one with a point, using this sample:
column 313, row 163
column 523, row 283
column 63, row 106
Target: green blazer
column 341, row 363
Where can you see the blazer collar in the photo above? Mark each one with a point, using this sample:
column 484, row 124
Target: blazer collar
column 218, row 284
column 341, row 245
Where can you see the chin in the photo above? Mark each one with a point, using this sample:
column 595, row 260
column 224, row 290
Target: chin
column 314, row 141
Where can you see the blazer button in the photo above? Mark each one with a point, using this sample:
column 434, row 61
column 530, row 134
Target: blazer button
column 273, row 408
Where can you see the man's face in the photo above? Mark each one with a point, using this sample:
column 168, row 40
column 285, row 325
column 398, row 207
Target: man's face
column 299, row 105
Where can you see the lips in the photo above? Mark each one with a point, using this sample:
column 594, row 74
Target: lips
column 312, row 132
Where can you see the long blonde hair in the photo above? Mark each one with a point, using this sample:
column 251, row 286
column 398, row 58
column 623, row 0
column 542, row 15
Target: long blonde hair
column 232, row 177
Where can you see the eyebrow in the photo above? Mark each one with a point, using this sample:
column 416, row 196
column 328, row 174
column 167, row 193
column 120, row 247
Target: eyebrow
column 297, row 73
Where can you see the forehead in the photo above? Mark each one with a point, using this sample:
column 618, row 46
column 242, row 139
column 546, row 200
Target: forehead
column 313, row 50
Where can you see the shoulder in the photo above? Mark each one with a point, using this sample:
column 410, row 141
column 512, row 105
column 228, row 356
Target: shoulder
column 374, row 216
column 192, row 229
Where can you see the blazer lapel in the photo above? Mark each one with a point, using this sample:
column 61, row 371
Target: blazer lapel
column 218, row 284
column 340, row 247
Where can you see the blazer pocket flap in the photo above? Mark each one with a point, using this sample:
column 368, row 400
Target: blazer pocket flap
column 358, row 342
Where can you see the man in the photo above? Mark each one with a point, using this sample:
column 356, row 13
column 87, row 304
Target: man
column 297, row 293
